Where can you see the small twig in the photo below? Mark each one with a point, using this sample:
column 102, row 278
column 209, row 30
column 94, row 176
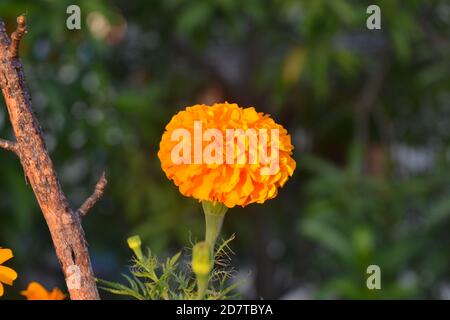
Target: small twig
column 17, row 35
column 9, row 145
column 98, row 193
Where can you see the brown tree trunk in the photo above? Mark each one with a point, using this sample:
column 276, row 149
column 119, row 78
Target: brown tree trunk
column 64, row 223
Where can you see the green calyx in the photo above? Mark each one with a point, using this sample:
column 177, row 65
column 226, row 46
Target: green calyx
column 214, row 215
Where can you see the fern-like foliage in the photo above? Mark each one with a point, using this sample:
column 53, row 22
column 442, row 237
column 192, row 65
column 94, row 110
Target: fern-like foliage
column 152, row 279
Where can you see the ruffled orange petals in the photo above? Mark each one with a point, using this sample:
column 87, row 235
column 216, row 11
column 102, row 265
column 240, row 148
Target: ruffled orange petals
column 209, row 166
column 36, row 291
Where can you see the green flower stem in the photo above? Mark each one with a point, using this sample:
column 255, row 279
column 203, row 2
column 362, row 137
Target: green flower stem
column 203, row 252
column 214, row 215
column 202, row 286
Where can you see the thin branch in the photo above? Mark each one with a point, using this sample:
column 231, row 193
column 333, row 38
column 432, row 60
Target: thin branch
column 63, row 223
column 9, row 145
column 98, row 193
column 16, row 36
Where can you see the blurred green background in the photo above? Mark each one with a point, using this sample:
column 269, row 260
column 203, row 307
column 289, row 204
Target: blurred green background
column 368, row 111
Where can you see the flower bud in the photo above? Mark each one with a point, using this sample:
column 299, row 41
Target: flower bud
column 134, row 243
column 202, row 260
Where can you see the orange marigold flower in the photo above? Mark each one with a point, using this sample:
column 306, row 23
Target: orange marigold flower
column 225, row 153
column 7, row 275
column 36, row 291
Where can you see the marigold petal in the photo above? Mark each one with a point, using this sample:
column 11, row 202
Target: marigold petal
column 7, row 275
column 56, row 294
column 35, row 291
column 5, row 255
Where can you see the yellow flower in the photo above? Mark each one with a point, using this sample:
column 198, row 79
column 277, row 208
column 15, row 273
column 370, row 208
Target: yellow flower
column 202, row 152
column 36, row 291
column 7, row 275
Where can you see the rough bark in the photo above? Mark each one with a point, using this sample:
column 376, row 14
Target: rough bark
column 64, row 223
